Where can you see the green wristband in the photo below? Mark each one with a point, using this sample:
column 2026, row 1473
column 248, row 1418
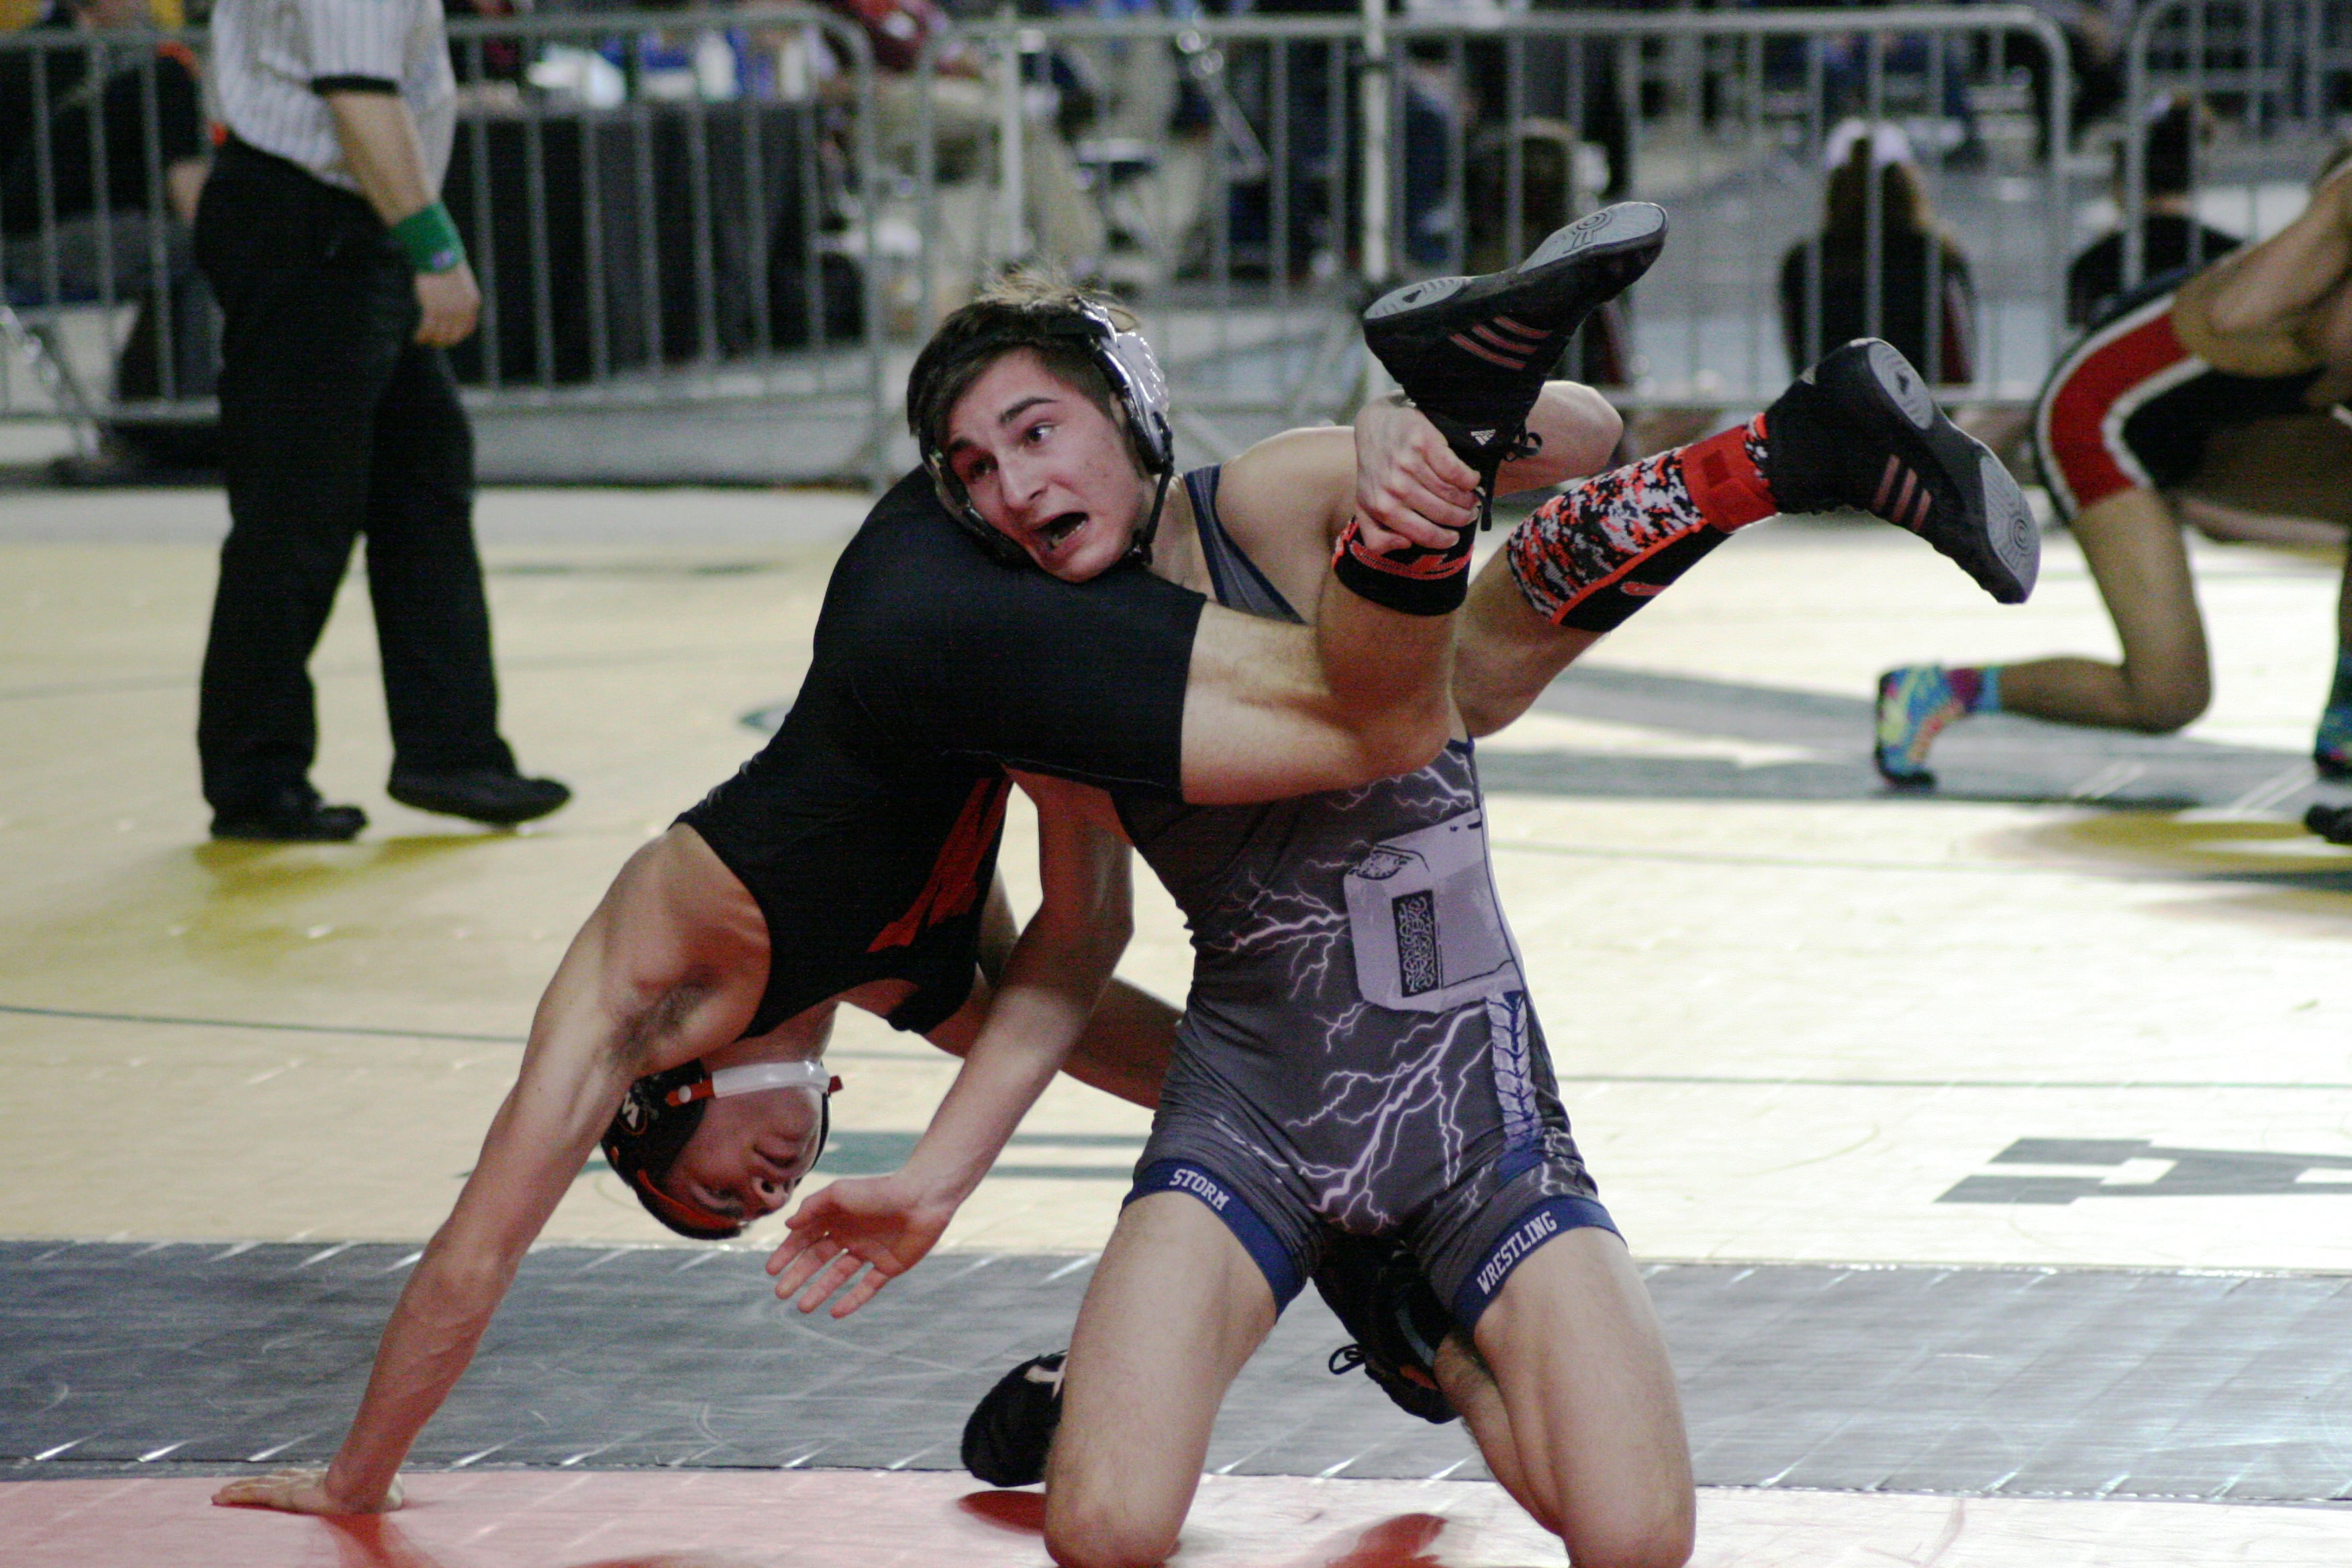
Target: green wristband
column 429, row 236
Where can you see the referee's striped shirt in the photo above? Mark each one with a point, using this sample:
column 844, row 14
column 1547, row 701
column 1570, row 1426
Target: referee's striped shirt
column 272, row 58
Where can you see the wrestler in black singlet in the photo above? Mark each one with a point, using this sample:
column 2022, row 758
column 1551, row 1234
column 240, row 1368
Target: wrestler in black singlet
column 867, row 828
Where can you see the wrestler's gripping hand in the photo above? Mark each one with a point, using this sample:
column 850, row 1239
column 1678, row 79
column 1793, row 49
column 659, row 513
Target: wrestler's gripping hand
column 1411, row 487
column 299, row 1491
column 883, row 1225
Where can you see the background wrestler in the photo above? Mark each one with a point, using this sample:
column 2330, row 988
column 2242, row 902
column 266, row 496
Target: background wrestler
column 1598, row 1454
column 847, row 862
column 2201, row 399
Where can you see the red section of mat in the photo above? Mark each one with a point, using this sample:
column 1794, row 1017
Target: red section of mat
column 838, row 1518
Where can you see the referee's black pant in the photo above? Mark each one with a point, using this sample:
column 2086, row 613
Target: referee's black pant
column 334, row 422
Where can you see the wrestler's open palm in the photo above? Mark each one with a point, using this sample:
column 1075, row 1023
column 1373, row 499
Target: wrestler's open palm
column 298, row 1492
column 881, row 1225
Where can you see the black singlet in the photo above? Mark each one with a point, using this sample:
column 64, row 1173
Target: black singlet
column 867, row 828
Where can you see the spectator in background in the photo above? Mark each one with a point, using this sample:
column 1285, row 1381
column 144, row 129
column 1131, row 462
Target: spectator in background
column 1922, row 279
column 489, row 69
column 75, row 231
column 2170, row 235
column 966, row 103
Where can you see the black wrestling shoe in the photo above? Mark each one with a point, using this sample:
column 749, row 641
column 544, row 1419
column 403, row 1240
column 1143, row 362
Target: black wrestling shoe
column 1376, row 1289
column 482, row 794
column 2332, row 823
column 1011, row 1429
column 294, row 815
column 1473, row 352
column 1859, row 431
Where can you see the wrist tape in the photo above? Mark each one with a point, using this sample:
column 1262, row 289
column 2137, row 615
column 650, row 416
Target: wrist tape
column 429, row 237
column 1411, row 580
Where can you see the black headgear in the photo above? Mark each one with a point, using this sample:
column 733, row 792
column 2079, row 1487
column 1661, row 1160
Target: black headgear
column 1128, row 367
column 659, row 1114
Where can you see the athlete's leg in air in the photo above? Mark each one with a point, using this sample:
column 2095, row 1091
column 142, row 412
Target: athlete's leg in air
column 1858, row 431
column 1176, row 1307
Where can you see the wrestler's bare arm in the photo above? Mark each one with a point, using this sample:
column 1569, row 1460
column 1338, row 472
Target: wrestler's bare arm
column 626, row 1000
column 2283, row 305
column 1051, row 980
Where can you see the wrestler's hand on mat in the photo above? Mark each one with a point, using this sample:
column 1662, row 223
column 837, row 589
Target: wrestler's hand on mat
column 884, row 1224
column 1411, row 487
column 299, row 1491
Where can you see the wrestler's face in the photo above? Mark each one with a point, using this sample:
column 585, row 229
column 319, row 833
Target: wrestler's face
column 749, row 1153
column 1047, row 467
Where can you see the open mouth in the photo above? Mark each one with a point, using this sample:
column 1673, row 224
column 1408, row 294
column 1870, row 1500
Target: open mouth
column 1054, row 531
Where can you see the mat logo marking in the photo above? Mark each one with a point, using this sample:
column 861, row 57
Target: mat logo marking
column 2194, row 1172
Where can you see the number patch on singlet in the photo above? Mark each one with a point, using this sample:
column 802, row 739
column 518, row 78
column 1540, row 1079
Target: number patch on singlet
column 1423, row 922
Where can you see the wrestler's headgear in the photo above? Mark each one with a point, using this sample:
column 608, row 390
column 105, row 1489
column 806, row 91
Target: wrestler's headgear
column 1081, row 339
column 661, row 1111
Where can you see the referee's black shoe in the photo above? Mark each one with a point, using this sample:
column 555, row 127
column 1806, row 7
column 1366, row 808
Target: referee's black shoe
column 293, row 815
column 1859, row 430
column 483, row 794
column 1376, row 1288
column 1012, row 1429
column 2332, row 823
column 1473, row 353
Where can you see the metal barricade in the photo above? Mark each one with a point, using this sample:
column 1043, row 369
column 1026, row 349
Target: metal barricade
column 673, row 212
column 2263, row 90
column 662, row 212
column 1723, row 117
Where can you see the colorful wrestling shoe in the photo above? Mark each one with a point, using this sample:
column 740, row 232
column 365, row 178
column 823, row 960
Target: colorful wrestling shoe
column 1473, row 353
column 1011, row 1429
column 1915, row 703
column 1859, row 430
column 1376, row 1289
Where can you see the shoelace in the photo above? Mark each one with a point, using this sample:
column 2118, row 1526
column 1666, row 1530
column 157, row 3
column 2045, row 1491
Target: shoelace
column 1344, row 1359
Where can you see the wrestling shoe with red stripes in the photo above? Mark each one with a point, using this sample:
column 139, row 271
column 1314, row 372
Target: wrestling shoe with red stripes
column 1859, row 431
column 1376, row 1289
column 1012, row 1429
column 1473, row 353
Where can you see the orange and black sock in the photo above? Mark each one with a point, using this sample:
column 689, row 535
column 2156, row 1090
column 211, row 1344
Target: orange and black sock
column 1598, row 550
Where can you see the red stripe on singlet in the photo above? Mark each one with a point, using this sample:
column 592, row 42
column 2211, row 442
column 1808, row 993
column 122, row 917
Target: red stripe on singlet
column 2078, row 436
column 954, row 883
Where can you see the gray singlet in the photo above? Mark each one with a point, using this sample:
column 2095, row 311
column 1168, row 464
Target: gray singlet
column 1357, row 1050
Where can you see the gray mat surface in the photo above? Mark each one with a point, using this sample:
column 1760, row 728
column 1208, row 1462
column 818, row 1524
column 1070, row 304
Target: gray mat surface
column 2018, row 1382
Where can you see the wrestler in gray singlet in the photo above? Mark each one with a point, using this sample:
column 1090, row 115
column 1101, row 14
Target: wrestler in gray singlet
column 1357, row 1049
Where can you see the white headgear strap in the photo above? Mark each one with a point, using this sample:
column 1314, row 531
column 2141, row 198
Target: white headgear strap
column 756, row 1076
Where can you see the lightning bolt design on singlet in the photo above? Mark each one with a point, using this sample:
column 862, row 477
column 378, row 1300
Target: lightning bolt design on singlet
column 1357, row 1048
column 1358, row 1020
